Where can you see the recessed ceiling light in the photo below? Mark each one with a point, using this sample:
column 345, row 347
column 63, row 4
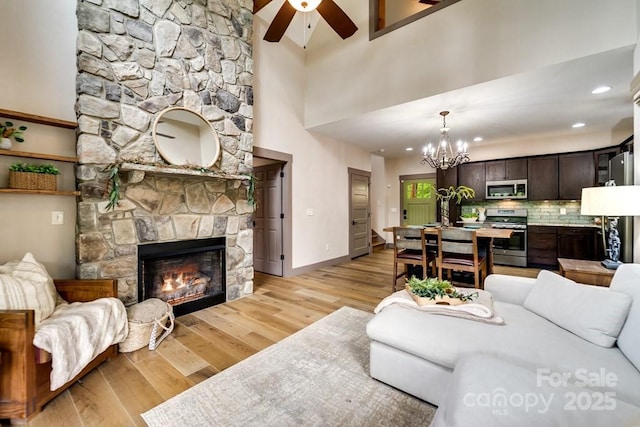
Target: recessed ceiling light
column 409, row 148
column 477, row 139
column 578, row 125
column 601, row 89
column 382, row 150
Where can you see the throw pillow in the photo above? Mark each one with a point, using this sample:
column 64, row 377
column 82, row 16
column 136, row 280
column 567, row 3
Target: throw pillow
column 627, row 280
column 26, row 285
column 593, row 313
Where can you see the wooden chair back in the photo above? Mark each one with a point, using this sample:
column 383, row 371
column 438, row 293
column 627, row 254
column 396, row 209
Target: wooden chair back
column 410, row 247
column 458, row 251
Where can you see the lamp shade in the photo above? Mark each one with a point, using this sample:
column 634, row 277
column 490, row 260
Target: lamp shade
column 618, row 200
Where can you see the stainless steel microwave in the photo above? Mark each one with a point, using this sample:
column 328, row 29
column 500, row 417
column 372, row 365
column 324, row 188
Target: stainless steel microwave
column 510, row 189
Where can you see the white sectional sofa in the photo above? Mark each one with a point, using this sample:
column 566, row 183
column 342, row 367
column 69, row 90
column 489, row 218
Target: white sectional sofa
column 575, row 348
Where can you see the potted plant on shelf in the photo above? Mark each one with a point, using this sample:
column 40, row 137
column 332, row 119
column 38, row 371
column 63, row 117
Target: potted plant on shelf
column 469, row 217
column 7, row 131
column 33, row 177
column 432, row 291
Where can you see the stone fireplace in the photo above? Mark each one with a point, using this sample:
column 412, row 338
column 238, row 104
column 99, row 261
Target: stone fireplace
column 136, row 58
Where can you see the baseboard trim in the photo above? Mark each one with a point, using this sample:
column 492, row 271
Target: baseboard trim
column 312, row 267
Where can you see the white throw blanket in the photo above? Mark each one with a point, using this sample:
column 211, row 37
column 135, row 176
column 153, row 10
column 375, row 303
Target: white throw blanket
column 76, row 333
column 481, row 309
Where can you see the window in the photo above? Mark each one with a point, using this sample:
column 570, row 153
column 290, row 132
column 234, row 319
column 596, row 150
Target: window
column 388, row 15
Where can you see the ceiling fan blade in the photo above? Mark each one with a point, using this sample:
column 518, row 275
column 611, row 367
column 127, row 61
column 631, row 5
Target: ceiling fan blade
column 336, row 18
column 280, row 23
column 259, row 4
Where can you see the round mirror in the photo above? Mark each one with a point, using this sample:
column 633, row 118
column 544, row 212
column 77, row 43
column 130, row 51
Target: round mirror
column 183, row 137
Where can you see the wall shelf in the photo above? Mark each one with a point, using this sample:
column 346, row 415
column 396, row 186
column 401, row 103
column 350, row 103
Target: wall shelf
column 40, row 156
column 41, row 192
column 33, row 118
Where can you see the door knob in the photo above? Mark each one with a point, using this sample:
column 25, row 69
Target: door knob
column 354, row 222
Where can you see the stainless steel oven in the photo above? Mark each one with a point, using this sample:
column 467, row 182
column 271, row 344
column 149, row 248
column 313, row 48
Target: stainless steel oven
column 511, row 251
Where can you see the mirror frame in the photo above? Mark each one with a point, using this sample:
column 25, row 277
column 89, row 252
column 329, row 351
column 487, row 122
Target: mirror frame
column 167, row 156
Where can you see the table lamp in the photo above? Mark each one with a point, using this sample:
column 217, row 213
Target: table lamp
column 611, row 201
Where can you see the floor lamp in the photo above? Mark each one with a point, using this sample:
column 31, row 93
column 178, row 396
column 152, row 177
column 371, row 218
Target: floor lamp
column 611, row 201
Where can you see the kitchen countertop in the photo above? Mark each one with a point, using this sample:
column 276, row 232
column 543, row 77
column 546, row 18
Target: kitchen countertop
column 551, row 224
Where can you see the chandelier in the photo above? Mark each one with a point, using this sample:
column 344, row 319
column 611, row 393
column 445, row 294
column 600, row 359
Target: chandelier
column 443, row 156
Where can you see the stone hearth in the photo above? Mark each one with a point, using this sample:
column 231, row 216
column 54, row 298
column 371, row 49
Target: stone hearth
column 136, row 58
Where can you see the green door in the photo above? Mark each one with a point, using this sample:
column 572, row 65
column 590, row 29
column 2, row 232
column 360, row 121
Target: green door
column 417, row 208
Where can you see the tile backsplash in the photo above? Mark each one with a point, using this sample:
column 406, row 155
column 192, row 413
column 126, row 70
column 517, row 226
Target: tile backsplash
column 546, row 212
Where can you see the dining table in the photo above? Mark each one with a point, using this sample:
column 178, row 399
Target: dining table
column 481, row 232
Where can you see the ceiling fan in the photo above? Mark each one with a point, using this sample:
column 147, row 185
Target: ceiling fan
column 328, row 9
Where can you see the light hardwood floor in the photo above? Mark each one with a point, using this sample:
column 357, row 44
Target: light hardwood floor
column 210, row 340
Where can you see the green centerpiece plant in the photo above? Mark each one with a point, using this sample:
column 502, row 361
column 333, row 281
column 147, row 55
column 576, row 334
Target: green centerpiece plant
column 435, row 291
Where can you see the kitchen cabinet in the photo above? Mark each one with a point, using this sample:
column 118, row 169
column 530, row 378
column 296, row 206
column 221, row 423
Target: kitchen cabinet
column 601, row 162
column 543, row 178
column 542, row 246
column 445, row 179
column 473, row 175
column 500, row 170
column 577, row 242
column 575, row 172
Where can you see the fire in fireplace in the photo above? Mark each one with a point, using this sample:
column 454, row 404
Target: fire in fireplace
column 189, row 274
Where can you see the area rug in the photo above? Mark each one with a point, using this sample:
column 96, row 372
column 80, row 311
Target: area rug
column 318, row 376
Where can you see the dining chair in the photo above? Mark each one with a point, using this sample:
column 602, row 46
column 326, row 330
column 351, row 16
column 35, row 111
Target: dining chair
column 458, row 250
column 410, row 248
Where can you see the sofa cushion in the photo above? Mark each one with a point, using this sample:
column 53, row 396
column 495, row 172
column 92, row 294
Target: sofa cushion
column 591, row 312
column 487, row 392
column 627, row 280
column 25, row 285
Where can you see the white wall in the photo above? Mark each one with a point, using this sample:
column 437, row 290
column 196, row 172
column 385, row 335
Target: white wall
column 418, row 60
column 320, row 164
column 37, row 76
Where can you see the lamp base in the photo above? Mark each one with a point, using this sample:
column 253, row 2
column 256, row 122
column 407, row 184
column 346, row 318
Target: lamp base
column 610, row 264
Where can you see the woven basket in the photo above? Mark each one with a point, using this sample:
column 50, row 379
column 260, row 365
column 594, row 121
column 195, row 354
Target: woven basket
column 150, row 322
column 32, row 181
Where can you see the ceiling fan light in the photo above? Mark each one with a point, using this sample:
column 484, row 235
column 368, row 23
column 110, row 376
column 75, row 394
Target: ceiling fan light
column 304, row 5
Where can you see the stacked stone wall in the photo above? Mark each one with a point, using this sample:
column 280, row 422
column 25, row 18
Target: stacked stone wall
column 136, row 58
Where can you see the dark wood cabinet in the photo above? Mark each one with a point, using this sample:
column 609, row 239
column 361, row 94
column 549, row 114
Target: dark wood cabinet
column 445, row 179
column 542, row 246
column 577, row 242
column 473, row 175
column 575, row 172
column 601, row 162
column 543, row 178
column 500, row 170
column 545, row 244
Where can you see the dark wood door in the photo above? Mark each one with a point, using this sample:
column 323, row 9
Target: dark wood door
column 473, row 175
column 577, row 243
column 542, row 246
column 445, row 179
column 576, row 171
column 501, row 170
column 268, row 218
column 495, row 170
column 601, row 163
column 515, row 169
column 543, row 178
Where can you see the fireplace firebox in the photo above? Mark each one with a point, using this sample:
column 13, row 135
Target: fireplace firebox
column 189, row 275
